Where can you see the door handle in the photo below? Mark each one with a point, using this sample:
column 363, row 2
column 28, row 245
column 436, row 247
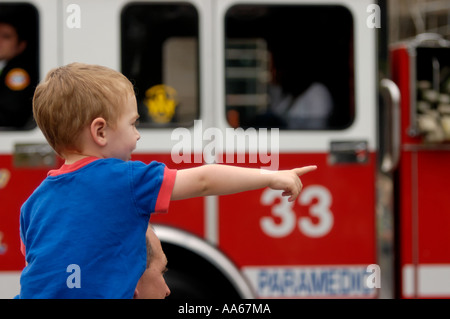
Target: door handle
column 390, row 155
column 348, row 152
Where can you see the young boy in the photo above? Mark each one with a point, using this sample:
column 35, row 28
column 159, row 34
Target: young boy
column 83, row 229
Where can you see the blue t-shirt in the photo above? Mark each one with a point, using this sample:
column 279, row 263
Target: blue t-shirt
column 83, row 229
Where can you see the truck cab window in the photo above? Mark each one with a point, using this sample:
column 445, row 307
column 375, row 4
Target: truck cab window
column 289, row 66
column 160, row 57
column 18, row 65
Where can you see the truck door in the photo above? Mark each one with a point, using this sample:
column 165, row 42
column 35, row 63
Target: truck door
column 421, row 68
column 298, row 79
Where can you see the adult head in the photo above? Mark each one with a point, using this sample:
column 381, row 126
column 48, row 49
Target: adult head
column 152, row 284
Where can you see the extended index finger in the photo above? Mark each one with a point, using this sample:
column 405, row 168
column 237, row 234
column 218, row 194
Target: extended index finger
column 305, row 169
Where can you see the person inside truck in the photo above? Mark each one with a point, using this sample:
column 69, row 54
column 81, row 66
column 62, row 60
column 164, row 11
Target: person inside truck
column 297, row 95
column 17, row 77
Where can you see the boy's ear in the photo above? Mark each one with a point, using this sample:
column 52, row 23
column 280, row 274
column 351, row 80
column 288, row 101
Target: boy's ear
column 98, row 131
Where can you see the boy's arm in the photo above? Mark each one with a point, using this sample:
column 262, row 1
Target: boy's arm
column 217, row 179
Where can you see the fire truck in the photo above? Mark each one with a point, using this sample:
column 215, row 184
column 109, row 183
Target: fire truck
column 265, row 84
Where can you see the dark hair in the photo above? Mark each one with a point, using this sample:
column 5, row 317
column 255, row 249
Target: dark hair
column 149, row 252
column 23, row 17
column 16, row 26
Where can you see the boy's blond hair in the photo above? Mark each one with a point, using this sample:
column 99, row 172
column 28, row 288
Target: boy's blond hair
column 72, row 96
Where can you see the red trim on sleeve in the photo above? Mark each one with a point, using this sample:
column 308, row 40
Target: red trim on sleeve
column 22, row 248
column 165, row 191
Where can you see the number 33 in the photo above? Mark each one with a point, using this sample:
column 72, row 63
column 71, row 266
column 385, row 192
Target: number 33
column 283, row 210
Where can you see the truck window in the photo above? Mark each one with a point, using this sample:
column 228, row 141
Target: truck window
column 19, row 60
column 433, row 93
column 289, row 66
column 159, row 48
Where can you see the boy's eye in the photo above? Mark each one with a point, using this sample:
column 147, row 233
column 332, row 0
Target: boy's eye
column 136, row 123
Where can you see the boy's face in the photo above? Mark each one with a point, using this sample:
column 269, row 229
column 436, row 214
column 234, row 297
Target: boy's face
column 123, row 138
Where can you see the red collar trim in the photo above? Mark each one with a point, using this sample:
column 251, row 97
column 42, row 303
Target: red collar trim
column 68, row 168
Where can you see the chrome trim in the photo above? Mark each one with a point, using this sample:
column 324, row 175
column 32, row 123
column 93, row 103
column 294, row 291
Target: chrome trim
column 210, row 253
column 391, row 155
